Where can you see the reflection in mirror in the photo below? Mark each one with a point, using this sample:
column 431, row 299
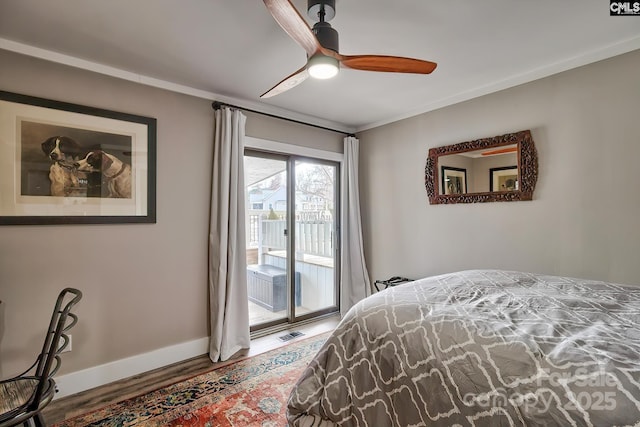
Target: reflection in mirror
column 479, row 171
column 502, row 168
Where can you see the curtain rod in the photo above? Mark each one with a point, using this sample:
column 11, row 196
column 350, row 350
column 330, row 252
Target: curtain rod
column 217, row 105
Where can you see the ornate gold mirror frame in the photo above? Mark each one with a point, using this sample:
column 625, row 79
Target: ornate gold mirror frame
column 527, row 164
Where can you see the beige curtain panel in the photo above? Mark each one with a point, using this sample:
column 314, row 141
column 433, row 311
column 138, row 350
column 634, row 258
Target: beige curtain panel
column 227, row 244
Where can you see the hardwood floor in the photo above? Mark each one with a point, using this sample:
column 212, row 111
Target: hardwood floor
column 90, row 400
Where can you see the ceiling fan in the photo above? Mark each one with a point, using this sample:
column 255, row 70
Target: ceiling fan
column 321, row 45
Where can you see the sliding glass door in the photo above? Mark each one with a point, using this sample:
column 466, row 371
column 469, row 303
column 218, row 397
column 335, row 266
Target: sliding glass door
column 292, row 246
column 266, row 226
column 315, row 235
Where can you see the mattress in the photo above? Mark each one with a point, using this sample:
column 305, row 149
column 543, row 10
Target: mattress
column 479, row 348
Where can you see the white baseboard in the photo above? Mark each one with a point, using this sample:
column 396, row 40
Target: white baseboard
column 86, row 379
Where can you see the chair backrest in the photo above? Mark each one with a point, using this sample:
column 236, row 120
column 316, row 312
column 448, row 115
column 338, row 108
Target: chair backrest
column 57, row 339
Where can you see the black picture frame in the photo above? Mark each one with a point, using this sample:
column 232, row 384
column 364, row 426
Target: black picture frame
column 64, row 163
column 454, row 180
column 503, row 178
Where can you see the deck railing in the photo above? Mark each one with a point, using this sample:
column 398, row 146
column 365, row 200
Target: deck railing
column 312, row 237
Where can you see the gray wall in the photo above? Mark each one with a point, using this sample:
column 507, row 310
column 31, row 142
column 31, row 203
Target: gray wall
column 145, row 286
column 583, row 220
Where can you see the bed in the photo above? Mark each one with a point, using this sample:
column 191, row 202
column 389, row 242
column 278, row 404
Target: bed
column 479, row 348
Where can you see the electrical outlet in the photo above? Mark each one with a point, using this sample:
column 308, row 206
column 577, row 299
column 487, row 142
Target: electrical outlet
column 68, row 348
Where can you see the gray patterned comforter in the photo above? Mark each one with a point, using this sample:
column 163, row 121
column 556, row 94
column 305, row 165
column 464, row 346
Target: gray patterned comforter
column 479, row 348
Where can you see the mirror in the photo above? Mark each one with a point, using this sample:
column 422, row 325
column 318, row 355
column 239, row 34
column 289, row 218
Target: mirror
column 499, row 169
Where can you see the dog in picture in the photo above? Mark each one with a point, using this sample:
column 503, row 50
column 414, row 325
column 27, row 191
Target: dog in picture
column 116, row 174
column 64, row 152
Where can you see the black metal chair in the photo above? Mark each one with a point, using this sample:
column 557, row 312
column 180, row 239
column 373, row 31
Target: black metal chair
column 23, row 397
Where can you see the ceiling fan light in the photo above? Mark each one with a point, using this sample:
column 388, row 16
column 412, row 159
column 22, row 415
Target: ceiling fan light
column 322, row 67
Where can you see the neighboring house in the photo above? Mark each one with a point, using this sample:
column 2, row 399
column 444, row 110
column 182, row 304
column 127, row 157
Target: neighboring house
column 264, row 199
column 267, row 199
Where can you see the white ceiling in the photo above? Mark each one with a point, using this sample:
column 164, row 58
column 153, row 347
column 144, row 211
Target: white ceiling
column 233, row 50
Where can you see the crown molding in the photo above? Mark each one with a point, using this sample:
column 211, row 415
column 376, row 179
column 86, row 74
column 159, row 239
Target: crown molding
column 107, row 70
column 576, row 61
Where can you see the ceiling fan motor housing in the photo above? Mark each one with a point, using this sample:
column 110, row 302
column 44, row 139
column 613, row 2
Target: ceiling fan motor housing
column 326, row 35
column 314, row 7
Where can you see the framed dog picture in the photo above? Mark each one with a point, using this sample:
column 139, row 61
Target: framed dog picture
column 63, row 163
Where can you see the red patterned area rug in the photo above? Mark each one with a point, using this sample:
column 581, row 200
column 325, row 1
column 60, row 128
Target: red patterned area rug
column 251, row 392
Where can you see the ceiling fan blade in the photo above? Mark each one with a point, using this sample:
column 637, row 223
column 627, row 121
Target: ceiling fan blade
column 287, row 83
column 288, row 17
column 392, row 64
column 500, row 151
